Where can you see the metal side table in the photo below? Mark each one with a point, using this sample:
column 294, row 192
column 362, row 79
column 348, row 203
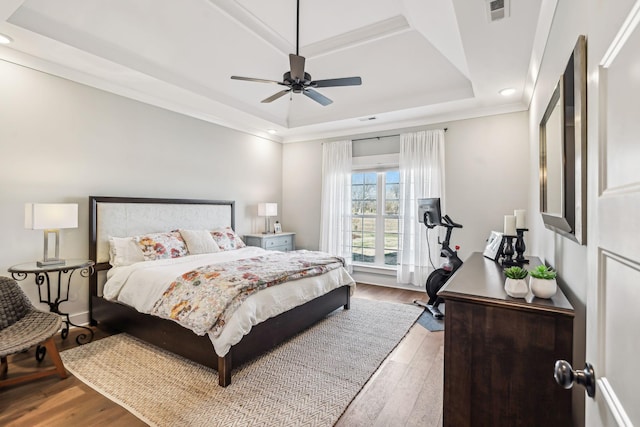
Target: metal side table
column 58, row 293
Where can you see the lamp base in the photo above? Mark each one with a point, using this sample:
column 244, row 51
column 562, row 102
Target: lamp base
column 267, row 225
column 50, row 262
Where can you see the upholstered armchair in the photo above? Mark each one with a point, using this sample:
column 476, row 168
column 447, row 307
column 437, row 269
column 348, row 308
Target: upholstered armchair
column 22, row 326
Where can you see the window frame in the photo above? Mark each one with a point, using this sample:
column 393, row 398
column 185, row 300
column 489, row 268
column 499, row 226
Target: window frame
column 380, row 216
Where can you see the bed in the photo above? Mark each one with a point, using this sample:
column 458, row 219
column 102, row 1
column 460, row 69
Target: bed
column 120, row 217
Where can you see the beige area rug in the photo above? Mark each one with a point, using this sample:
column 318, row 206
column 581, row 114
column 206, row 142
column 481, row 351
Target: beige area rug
column 309, row 380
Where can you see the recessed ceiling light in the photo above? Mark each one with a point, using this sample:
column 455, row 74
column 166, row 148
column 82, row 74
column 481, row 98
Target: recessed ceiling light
column 271, row 131
column 5, row 39
column 507, row 91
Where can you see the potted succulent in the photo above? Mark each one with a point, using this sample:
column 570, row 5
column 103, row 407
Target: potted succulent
column 515, row 284
column 543, row 281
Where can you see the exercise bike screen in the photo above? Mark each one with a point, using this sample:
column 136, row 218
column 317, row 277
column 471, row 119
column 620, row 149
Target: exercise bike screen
column 431, row 207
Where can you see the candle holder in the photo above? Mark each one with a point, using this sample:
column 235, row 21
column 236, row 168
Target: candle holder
column 508, row 251
column 520, row 246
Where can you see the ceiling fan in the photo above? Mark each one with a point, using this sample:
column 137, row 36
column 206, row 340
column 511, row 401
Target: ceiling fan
column 298, row 81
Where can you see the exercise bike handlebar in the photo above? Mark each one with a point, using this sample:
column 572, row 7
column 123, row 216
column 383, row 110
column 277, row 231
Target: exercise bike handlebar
column 448, row 222
column 445, row 221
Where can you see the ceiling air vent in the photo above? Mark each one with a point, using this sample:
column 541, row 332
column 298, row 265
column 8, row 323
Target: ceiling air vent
column 497, row 9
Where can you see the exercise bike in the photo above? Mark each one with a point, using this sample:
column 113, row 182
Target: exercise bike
column 439, row 277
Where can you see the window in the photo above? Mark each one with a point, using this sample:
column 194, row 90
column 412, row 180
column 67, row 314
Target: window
column 375, row 220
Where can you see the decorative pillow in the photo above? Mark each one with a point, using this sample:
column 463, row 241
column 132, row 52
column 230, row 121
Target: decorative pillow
column 124, row 251
column 162, row 245
column 227, row 239
column 199, row 242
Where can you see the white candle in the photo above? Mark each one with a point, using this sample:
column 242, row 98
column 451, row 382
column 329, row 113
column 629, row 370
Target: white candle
column 521, row 218
column 509, row 225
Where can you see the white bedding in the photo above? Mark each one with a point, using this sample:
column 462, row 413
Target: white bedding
column 141, row 284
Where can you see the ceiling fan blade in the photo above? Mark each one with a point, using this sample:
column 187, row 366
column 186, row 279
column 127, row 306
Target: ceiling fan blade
column 297, row 66
column 317, row 96
column 251, row 79
column 276, row 96
column 345, row 81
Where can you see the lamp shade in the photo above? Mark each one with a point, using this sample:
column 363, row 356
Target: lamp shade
column 49, row 216
column 267, row 209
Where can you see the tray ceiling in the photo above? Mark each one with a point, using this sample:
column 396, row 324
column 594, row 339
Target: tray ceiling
column 421, row 61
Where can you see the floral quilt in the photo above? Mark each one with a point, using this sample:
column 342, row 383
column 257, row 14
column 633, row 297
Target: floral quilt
column 204, row 299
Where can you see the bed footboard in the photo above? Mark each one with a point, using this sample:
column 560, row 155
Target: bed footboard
column 162, row 333
column 268, row 334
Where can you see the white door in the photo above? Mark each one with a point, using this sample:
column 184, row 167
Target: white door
column 613, row 302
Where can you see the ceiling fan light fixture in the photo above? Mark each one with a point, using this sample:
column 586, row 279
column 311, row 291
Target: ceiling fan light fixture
column 507, row 91
column 5, row 39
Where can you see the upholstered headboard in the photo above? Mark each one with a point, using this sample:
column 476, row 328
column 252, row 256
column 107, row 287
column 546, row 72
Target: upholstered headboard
column 127, row 216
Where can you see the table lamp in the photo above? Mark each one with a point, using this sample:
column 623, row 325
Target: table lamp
column 267, row 210
column 50, row 217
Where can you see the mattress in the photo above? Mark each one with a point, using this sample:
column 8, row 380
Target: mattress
column 141, row 284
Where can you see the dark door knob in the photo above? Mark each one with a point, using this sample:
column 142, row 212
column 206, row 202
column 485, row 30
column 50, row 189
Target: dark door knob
column 567, row 377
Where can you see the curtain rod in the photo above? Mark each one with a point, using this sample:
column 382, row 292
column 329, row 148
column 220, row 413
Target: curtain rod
column 380, row 137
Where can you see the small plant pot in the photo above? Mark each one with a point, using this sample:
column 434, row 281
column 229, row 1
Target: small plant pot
column 516, row 288
column 543, row 288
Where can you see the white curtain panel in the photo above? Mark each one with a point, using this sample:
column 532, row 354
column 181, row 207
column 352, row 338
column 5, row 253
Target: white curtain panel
column 335, row 216
column 421, row 176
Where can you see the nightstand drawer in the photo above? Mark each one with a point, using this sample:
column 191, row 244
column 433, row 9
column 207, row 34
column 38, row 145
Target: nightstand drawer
column 272, row 242
column 277, row 241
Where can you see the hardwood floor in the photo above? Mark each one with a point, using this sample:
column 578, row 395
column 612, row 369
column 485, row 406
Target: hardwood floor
column 56, row 402
column 405, row 391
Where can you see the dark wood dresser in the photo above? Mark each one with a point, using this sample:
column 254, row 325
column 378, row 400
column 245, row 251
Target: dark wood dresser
column 500, row 351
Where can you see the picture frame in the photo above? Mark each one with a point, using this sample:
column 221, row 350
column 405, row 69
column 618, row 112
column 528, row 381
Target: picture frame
column 277, row 227
column 493, row 250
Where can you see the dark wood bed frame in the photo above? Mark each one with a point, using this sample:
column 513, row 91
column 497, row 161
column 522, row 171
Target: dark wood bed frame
column 177, row 339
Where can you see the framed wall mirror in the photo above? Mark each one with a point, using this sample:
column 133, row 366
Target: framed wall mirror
column 563, row 142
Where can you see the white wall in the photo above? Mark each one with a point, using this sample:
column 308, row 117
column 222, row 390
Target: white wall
column 487, row 170
column 301, row 184
column 62, row 142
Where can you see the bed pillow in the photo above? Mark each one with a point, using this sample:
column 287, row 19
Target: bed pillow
column 227, row 239
column 162, row 245
column 199, row 242
column 124, row 251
